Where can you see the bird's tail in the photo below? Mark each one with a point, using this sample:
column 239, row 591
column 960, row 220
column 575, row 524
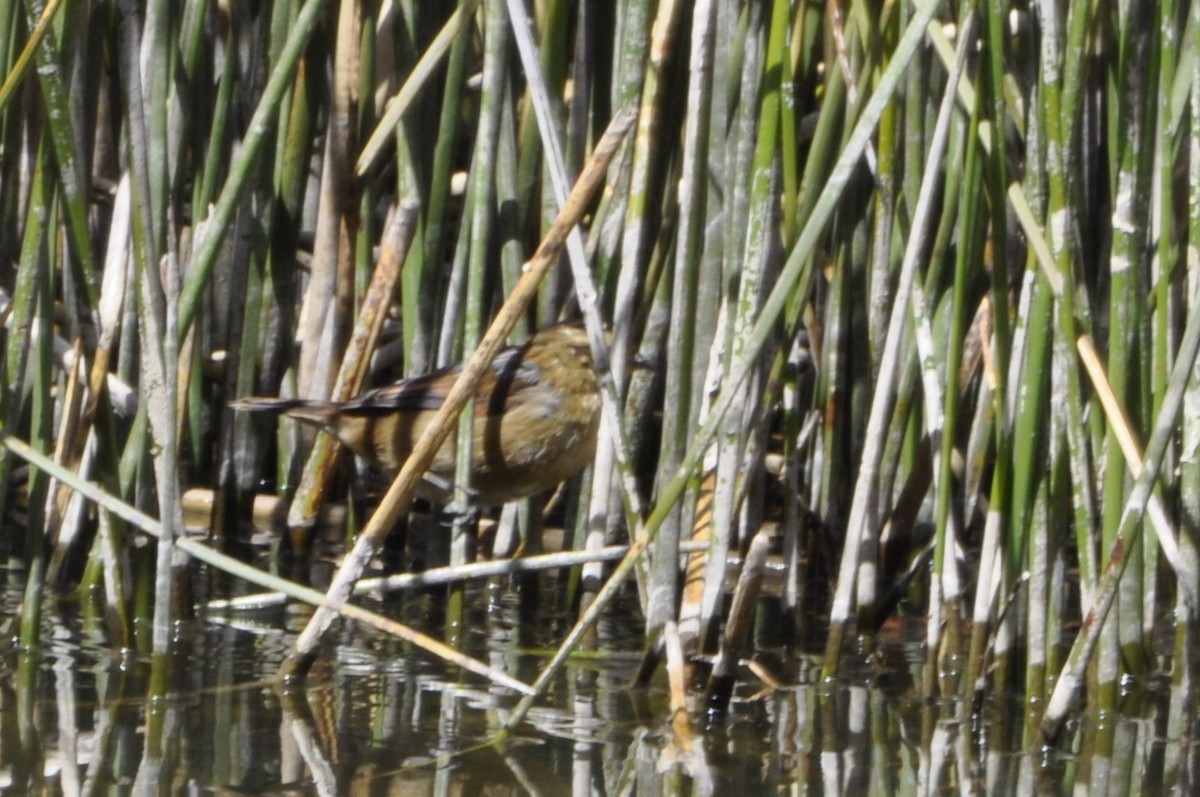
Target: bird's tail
column 319, row 412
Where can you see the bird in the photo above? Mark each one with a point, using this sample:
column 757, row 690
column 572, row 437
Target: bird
column 537, row 413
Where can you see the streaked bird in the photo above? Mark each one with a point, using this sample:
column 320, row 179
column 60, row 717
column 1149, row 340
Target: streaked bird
column 537, row 412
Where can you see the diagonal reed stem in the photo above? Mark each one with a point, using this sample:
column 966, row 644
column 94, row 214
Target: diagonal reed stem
column 400, row 493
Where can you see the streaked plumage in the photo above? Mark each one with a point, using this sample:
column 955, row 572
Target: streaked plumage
column 536, row 417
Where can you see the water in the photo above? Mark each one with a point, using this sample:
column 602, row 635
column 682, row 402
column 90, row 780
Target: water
column 376, row 716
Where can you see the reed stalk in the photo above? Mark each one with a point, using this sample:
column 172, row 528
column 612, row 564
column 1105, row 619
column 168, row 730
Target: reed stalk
column 904, row 286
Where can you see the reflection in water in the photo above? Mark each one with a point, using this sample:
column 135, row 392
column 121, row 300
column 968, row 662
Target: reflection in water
column 377, row 717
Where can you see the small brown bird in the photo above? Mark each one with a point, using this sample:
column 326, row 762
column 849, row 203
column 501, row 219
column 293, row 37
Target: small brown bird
column 536, row 415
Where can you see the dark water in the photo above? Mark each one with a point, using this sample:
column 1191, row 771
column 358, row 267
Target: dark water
column 378, row 717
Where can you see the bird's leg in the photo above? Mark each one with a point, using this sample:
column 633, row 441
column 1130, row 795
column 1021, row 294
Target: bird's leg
column 464, row 516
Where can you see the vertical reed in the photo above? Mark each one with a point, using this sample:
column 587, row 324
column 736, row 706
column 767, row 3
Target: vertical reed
column 857, row 261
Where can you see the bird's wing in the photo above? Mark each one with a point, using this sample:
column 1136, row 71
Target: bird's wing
column 429, row 391
column 425, row 392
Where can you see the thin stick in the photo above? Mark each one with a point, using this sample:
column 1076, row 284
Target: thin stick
column 397, row 238
column 238, row 568
column 400, row 493
column 1155, row 511
column 448, row 575
column 421, row 74
column 1070, row 679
